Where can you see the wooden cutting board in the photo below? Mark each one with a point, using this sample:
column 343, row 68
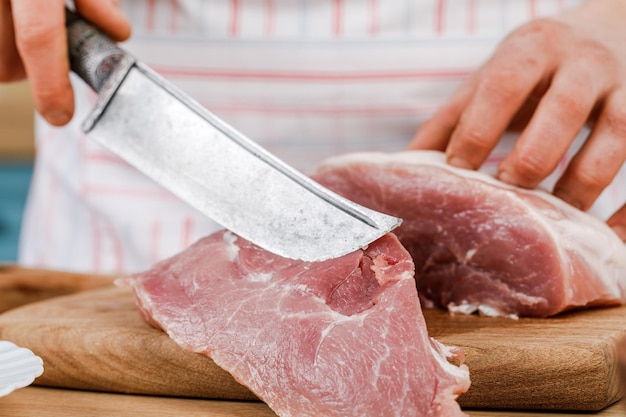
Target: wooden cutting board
column 96, row 340
column 19, row 286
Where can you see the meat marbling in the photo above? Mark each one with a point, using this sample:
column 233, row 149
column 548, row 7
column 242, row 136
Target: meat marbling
column 481, row 245
column 344, row 337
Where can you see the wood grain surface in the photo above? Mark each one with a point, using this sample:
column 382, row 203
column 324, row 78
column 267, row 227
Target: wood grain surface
column 53, row 402
column 567, row 362
column 19, row 286
column 96, row 340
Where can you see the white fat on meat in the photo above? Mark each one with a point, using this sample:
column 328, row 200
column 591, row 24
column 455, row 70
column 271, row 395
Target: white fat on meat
column 343, row 337
column 482, row 245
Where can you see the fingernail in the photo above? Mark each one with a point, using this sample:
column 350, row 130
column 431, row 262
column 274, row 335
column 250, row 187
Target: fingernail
column 506, row 177
column 122, row 30
column 620, row 230
column 460, row 163
column 58, row 118
column 116, row 4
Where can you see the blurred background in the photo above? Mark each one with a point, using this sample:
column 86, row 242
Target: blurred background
column 16, row 162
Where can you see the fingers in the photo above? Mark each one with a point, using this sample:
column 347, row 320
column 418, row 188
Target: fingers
column 42, row 44
column 11, row 67
column 40, row 37
column 107, row 16
column 618, row 222
column 599, row 160
column 506, row 83
column 561, row 114
column 435, row 133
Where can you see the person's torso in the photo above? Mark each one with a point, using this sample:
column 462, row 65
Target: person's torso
column 307, row 79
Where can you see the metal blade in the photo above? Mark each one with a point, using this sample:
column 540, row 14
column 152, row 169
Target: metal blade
column 217, row 170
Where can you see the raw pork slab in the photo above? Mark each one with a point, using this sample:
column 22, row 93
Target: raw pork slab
column 344, row 337
column 481, row 245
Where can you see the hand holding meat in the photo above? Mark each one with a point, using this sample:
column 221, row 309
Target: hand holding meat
column 549, row 78
column 33, row 45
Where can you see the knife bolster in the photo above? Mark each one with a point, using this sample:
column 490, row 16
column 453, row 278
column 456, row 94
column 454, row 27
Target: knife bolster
column 108, row 90
column 93, row 56
column 97, row 60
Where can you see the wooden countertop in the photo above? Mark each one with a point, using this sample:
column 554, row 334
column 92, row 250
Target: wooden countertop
column 51, row 402
column 16, row 122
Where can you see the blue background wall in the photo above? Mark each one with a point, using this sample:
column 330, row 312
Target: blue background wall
column 14, row 182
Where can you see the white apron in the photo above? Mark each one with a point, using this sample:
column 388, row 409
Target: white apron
column 307, row 79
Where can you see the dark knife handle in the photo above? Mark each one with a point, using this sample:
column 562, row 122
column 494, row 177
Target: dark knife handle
column 93, row 56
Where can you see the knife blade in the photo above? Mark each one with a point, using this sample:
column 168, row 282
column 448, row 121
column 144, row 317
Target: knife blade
column 207, row 163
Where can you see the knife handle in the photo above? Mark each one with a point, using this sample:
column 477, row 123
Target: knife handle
column 93, row 56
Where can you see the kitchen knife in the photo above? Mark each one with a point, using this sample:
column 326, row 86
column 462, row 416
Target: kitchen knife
column 207, row 163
